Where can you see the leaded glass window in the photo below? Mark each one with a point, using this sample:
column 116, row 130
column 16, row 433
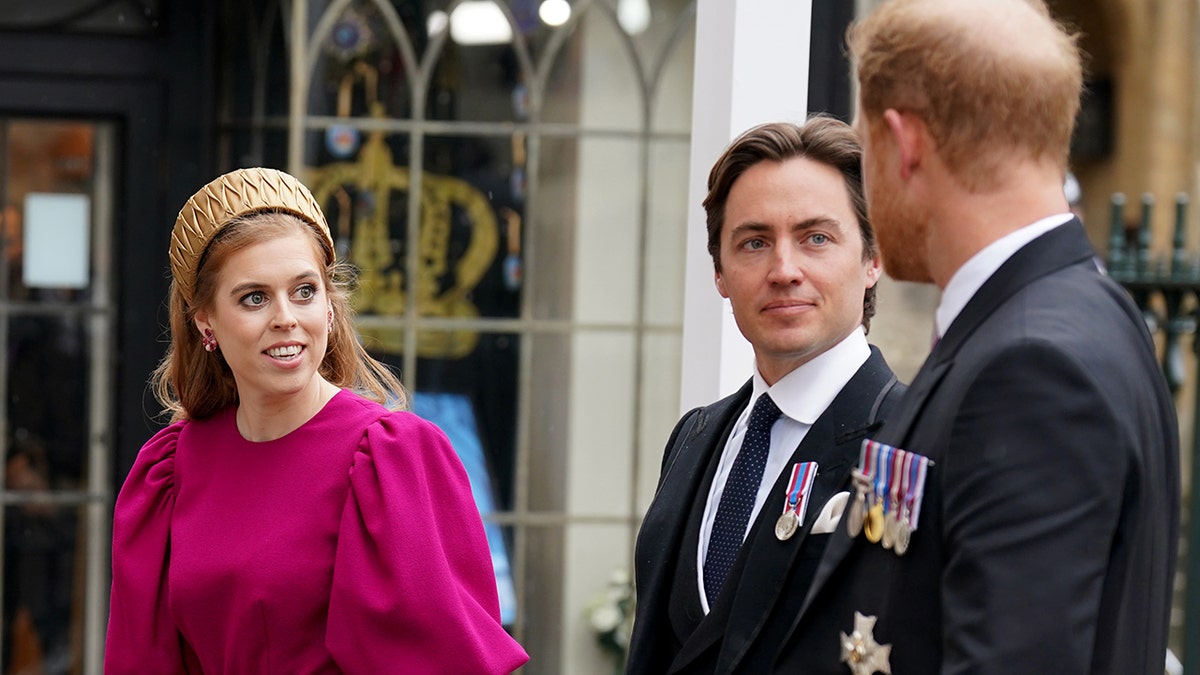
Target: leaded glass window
column 510, row 179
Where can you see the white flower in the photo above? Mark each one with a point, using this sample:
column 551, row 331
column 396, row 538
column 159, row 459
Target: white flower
column 619, row 577
column 615, row 594
column 605, row 618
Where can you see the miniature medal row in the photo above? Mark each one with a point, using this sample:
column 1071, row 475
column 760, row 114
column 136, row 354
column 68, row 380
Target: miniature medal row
column 889, row 485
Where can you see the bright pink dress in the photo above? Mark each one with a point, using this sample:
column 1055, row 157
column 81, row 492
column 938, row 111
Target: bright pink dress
column 351, row 545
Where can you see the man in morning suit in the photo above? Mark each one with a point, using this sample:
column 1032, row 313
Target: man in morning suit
column 795, row 255
column 1032, row 467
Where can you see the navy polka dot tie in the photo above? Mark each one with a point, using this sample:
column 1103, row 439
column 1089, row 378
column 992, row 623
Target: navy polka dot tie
column 737, row 500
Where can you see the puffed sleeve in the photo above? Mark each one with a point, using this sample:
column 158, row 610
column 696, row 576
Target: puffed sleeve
column 413, row 585
column 142, row 638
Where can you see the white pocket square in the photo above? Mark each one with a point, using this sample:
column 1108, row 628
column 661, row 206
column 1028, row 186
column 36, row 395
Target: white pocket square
column 831, row 514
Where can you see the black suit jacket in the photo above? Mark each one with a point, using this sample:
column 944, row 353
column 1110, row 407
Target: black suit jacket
column 1048, row 536
column 747, row 622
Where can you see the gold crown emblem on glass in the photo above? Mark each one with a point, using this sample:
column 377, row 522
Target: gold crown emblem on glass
column 238, row 193
column 444, row 282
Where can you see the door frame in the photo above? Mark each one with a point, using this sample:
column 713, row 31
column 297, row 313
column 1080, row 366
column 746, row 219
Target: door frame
column 157, row 91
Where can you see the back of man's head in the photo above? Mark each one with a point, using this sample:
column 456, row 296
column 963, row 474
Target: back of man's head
column 993, row 80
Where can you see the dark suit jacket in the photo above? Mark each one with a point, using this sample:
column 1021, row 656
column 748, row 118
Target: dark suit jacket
column 1048, row 536
column 769, row 578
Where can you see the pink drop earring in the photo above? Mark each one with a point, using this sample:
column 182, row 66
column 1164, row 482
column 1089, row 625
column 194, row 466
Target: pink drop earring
column 331, row 321
column 209, row 340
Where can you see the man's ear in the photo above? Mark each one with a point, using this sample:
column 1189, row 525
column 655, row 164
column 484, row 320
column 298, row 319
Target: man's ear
column 909, row 134
column 874, row 271
column 720, row 284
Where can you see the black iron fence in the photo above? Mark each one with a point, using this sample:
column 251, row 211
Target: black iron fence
column 1167, row 289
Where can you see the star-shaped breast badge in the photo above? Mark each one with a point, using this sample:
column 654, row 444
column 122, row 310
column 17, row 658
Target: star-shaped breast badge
column 861, row 652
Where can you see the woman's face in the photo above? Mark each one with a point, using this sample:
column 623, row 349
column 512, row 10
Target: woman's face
column 270, row 317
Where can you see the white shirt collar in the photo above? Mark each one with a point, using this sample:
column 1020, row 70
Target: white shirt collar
column 805, row 393
column 971, row 276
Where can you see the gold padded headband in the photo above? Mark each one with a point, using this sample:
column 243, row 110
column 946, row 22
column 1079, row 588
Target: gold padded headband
column 235, row 194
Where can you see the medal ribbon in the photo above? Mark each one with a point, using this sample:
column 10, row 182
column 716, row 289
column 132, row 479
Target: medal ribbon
column 864, row 456
column 799, row 489
column 865, row 471
column 882, row 463
column 895, row 473
column 903, row 504
column 911, row 468
column 922, row 467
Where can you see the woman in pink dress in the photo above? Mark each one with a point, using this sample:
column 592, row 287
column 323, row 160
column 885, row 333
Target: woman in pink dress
column 286, row 521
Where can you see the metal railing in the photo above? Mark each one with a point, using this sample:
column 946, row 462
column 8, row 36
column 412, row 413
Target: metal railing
column 1167, row 290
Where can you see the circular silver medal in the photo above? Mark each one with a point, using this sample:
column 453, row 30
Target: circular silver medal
column 903, row 536
column 785, row 527
column 854, row 519
column 889, row 530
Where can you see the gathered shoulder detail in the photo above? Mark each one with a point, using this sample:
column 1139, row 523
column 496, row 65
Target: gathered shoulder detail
column 158, row 456
column 413, row 580
column 141, row 635
column 404, row 439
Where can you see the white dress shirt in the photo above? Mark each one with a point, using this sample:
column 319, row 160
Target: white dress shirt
column 971, row 276
column 802, row 396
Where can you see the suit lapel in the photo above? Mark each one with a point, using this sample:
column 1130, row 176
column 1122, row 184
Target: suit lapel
column 685, row 468
column 833, row 442
column 771, row 560
column 896, row 429
column 1061, row 247
column 664, row 524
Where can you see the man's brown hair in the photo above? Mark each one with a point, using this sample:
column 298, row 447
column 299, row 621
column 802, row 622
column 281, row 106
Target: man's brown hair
column 824, row 140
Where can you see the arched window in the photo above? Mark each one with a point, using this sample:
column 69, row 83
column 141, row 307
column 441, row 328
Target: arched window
column 510, row 177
